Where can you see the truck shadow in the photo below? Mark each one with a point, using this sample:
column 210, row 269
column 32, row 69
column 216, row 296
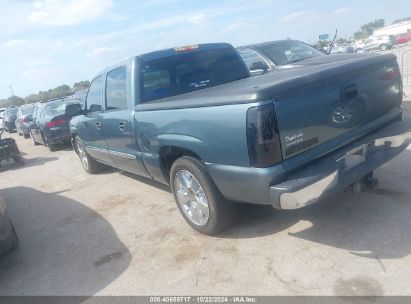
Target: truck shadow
column 31, row 162
column 373, row 224
column 65, row 247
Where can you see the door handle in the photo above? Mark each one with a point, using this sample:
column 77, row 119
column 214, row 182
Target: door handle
column 122, row 126
column 98, row 125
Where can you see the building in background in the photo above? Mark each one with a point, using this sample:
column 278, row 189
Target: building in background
column 394, row 29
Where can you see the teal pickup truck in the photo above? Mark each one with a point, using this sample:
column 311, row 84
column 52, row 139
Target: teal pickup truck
column 193, row 118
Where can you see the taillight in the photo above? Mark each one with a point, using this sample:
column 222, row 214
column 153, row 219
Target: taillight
column 56, row 123
column 390, row 74
column 263, row 140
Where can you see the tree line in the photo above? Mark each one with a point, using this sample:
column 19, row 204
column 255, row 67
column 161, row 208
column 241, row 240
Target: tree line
column 58, row 92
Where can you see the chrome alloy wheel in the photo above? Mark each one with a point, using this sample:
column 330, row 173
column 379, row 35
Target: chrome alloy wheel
column 191, row 197
column 82, row 154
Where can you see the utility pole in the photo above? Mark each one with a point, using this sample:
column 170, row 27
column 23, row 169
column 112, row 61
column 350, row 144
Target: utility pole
column 11, row 90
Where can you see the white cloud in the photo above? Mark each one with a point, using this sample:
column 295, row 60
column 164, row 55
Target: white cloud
column 63, row 13
column 342, row 10
column 234, row 26
column 100, row 51
column 198, row 19
column 300, row 15
column 15, row 42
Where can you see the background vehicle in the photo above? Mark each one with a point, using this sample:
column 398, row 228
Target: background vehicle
column 195, row 120
column 381, row 43
column 404, row 38
column 24, row 116
column 340, row 49
column 282, row 54
column 50, row 125
column 9, row 119
column 9, row 150
column 8, row 236
column 1, row 118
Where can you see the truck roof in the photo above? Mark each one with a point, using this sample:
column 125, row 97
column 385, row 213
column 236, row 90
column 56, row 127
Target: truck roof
column 265, row 43
column 192, row 48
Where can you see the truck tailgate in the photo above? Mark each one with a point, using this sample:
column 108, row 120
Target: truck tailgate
column 336, row 100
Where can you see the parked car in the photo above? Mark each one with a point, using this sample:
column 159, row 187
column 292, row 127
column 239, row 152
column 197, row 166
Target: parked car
column 9, row 119
column 24, row 116
column 272, row 56
column 1, row 118
column 193, row 118
column 404, row 38
column 49, row 125
column 374, row 43
column 8, row 236
column 341, row 49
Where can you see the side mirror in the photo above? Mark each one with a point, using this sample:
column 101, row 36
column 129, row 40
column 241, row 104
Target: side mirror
column 73, row 109
column 259, row 65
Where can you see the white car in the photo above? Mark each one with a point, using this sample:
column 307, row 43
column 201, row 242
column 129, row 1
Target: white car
column 1, row 119
column 374, row 43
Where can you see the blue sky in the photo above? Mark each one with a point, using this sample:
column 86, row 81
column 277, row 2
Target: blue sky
column 50, row 42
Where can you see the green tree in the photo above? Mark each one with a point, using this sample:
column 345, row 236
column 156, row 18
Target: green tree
column 369, row 28
column 4, row 103
column 81, row 85
column 60, row 91
column 401, row 20
column 12, row 101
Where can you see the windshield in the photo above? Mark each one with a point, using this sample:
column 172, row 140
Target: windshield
column 27, row 110
column 286, row 52
column 55, row 107
column 10, row 112
column 190, row 71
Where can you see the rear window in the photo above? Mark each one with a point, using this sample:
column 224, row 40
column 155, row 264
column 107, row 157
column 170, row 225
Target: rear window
column 27, row 110
column 10, row 112
column 190, row 71
column 55, row 107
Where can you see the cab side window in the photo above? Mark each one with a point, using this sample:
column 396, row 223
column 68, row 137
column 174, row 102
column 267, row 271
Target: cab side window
column 250, row 56
column 116, row 89
column 93, row 100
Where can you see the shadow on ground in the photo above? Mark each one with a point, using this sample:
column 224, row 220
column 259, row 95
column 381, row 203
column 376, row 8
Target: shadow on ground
column 65, row 247
column 374, row 224
column 31, row 162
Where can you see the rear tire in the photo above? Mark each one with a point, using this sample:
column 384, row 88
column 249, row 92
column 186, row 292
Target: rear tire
column 52, row 148
column 89, row 164
column 10, row 243
column 26, row 135
column 221, row 213
column 32, row 139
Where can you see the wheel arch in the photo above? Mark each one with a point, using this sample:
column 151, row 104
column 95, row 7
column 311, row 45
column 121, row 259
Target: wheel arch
column 169, row 154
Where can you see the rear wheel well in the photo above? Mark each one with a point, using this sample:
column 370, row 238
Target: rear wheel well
column 169, row 154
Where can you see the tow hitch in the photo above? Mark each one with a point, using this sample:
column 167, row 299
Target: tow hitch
column 367, row 182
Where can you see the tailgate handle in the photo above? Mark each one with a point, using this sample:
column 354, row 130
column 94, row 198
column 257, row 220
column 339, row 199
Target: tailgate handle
column 349, row 92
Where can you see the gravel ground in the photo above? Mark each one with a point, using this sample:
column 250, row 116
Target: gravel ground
column 117, row 234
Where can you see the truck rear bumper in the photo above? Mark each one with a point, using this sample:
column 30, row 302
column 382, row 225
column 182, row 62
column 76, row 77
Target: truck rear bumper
column 340, row 169
column 285, row 189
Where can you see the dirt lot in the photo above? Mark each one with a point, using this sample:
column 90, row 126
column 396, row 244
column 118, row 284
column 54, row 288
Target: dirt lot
column 115, row 234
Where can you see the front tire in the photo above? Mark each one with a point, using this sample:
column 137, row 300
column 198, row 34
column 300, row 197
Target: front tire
column 198, row 198
column 384, row 47
column 89, row 164
column 10, row 243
